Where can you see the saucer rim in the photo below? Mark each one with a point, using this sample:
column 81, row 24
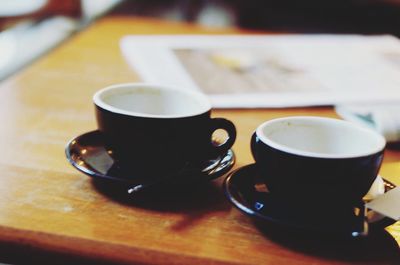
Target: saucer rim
column 248, row 210
column 210, row 174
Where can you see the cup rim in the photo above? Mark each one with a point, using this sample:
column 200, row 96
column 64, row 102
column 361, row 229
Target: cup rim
column 200, row 97
column 381, row 142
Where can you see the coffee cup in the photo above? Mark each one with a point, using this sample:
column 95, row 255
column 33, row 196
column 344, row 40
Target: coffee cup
column 152, row 129
column 316, row 161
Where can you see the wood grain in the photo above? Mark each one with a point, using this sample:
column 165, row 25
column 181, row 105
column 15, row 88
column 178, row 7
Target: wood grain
column 49, row 210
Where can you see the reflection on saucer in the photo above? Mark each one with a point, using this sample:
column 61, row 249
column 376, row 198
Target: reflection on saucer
column 88, row 154
column 246, row 191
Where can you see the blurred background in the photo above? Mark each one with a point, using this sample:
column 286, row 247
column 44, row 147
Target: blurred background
column 30, row 28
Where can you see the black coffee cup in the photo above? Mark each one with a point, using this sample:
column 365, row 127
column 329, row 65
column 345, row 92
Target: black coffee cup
column 317, row 162
column 158, row 130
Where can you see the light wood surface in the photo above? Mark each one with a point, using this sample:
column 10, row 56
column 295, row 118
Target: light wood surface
column 49, row 211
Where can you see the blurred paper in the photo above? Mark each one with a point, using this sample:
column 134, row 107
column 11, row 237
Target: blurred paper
column 387, row 204
column 250, row 71
column 383, row 118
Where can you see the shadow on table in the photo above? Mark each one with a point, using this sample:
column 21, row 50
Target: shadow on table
column 193, row 200
column 379, row 246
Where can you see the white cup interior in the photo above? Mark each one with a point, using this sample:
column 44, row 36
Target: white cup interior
column 145, row 100
column 320, row 137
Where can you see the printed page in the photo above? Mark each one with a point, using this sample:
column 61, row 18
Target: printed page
column 251, row 71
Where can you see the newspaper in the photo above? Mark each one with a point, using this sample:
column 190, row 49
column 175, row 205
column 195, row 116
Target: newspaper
column 264, row 71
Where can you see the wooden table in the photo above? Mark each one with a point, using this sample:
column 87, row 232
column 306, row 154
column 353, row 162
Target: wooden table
column 51, row 212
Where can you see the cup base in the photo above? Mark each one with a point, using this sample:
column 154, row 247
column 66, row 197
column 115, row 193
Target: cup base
column 245, row 189
column 88, row 154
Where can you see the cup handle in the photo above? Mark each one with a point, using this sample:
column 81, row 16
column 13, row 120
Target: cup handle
column 229, row 127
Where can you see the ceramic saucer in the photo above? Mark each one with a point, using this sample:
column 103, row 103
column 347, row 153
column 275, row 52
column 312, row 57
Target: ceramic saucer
column 246, row 191
column 88, row 154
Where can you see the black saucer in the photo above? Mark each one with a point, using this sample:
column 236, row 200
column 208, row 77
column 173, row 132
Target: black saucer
column 88, row 154
column 246, row 191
